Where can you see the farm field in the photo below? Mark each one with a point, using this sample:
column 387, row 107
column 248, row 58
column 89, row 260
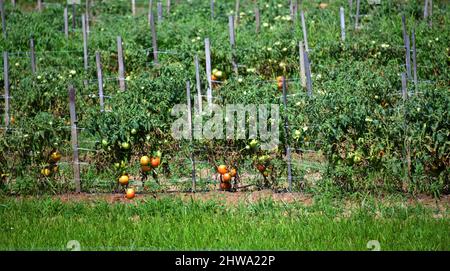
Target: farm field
column 114, row 129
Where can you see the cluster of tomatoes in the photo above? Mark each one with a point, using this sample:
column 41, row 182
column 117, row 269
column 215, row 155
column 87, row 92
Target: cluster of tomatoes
column 263, row 165
column 261, row 162
column 52, row 167
column 147, row 164
column 226, row 176
column 129, row 191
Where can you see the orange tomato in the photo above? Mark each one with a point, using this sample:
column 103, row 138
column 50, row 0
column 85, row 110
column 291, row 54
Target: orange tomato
column 226, row 177
column 130, row 193
column 222, row 169
column 280, row 85
column 155, row 162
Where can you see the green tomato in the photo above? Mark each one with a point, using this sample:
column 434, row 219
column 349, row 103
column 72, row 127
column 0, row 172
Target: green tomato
column 133, row 131
column 253, row 143
column 357, row 158
column 104, row 142
column 125, row 145
column 218, row 74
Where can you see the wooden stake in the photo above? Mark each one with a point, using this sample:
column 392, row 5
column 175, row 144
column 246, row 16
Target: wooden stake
column 160, row 12
column 308, row 73
column 199, row 89
column 208, row 71
column 231, row 30
column 191, row 133
column 189, row 106
column 291, row 9
column 407, row 47
column 404, row 87
column 39, row 5
column 74, row 136
column 301, row 49
column 305, row 35
column 154, row 39
column 257, row 19
column 100, row 81
column 32, row 56
column 407, row 146
column 6, row 83
column 236, row 13
column 212, row 9
column 133, row 7
column 408, row 57
column 150, row 11
column 342, row 16
column 295, row 10
column 66, row 23
column 87, row 16
column 286, row 131
column 74, row 22
column 85, row 46
column 430, row 9
column 2, row 10
column 232, row 43
column 121, row 64
column 357, row 15
column 168, row 7
column 425, row 10
column 414, row 58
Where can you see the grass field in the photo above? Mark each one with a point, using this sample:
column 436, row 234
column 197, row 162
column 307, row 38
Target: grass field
column 214, row 223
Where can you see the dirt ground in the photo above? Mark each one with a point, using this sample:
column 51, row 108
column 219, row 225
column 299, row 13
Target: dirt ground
column 225, row 197
column 236, row 198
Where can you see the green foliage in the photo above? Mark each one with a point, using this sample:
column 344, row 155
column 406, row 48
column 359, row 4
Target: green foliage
column 356, row 118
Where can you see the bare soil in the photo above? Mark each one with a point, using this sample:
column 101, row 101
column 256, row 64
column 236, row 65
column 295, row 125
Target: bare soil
column 227, row 198
column 235, row 198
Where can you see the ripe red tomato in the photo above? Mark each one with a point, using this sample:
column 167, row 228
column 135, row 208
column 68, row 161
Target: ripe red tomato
column 261, row 168
column 155, row 162
column 130, row 193
column 225, row 186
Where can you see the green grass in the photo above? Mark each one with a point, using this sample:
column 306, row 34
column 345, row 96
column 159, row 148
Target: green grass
column 171, row 224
